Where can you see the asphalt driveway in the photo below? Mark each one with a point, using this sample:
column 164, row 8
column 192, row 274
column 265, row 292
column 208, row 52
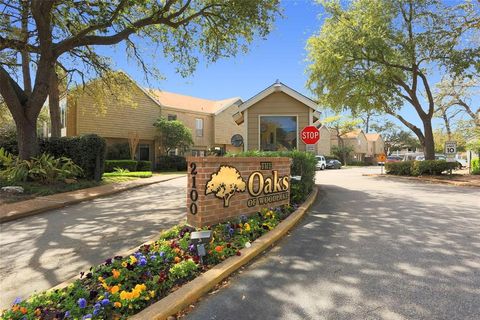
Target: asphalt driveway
column 369, row 249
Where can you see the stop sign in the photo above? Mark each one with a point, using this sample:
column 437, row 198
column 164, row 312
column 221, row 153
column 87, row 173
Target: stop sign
column 310, row 135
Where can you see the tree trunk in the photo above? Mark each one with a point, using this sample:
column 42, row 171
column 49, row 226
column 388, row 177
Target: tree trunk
column 429, row 144
column 27, row 137
column 54, row 106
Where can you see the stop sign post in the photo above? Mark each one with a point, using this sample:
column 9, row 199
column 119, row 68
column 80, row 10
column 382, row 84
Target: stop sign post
column 310, row 135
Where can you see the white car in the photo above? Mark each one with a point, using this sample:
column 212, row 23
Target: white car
column 321, row 163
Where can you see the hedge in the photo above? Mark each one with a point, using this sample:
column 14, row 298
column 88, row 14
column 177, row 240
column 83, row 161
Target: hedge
column 303, row 164
column 169, row 163
column 118, row 151
column 419, row 168
column 476, row 166
column 130, row 165
column 87, row 151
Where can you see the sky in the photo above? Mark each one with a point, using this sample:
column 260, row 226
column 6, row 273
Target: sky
column 281, row 56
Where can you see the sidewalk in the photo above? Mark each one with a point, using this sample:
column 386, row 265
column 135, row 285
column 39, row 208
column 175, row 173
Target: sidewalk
column 26, row 208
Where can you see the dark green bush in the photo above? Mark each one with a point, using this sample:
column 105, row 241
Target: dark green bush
column 169, row 163
column 130, row 165
column 8, row 141
column 402, row 168
column 303, row 164
column 87, row 151
column 144, row 166
column 419, row 168
column 118, row 151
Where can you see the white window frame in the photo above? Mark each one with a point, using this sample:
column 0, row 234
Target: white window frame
column 199, row 129
column 275, row 115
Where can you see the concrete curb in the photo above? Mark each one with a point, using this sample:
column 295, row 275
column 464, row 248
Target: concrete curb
column 192, row 291
column 426, row 180
column 31, row 207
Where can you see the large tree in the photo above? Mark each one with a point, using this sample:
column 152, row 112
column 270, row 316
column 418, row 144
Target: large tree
column 394, row 137
column 380, row 54
column 38, row 35
column 341, row 125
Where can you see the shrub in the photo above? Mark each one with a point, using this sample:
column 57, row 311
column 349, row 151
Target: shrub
column 303, row 164
column 8, row 141
column 476, row 166
column 168, row 163
column 45, row 169
column 431, row 167
column 358, row 163
column 418, row 168
column 6, row 158
column 403, row 168
column 130, row 165
column 144, row 166
column 87, row 151
column 118, row 151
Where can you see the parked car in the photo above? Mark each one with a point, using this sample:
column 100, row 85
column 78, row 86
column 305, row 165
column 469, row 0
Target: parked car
column 394, row 159
column 438, row 156
column 321, row 163
column 333, row 164
column 462, row 162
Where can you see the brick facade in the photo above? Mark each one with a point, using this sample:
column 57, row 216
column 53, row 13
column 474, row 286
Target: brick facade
column 210, row 209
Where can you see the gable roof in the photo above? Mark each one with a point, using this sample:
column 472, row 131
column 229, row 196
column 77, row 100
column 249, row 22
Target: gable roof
column 372, row 136
column 184, row 102
column 278, row 87
column 353, row 134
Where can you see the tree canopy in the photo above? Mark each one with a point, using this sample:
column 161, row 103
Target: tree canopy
column 173, row 135
column 379, row 55
column 37, row 35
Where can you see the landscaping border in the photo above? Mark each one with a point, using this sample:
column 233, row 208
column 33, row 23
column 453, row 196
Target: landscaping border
column 17, row 210
column 193, row 290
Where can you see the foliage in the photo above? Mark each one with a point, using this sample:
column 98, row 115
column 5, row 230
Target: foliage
column 402, row 168
column 342, row 153
column 171, row 163
column 144, row 165
column 118, row 151
column 303, row 164
column 394, row 137
column 123, row 285
column 441, row 137
column 476, row 166
column 111, row 165
column 419, row 168
column 134, row 174
column 182, row 30
column 88, row 151
column 173, row 135
column 377, row 55
column 45, row 169
column 8, row 141
column 6, row 158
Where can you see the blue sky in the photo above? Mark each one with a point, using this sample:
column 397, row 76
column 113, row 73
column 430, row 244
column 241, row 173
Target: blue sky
column 282, row 56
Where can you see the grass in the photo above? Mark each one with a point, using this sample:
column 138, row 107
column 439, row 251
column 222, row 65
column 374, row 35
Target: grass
column 133, row 174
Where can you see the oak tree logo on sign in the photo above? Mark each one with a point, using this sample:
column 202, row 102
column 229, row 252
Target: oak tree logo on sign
column 224, row 183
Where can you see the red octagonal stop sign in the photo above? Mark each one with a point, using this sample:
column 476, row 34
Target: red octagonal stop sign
column 310, row 135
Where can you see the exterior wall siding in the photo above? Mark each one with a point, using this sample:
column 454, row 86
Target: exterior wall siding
column 324, row 145
column 226, row 127
column 277, row 103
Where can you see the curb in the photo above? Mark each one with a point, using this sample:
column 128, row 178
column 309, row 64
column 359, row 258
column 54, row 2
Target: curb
column 193, row 290
column 426, row 180
column 41, row 204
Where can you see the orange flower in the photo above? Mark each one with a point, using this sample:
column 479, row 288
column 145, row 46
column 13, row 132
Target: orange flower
column 15, row 308
column 115, row 273
column 37, row 312
column 219, row 248
column 177, row 250
column 177, row 259
column 114, row 289
column 117, row 304
column 23, row 310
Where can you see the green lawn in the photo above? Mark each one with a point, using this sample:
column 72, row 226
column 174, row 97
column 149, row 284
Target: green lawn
column 133, row 174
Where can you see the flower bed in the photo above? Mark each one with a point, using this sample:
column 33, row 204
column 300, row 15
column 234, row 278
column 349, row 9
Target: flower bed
column 122, row 286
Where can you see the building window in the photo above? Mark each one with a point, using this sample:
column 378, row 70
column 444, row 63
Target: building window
column 198, row 153
column 172, row 117
column 199, row 127
column 144, row 152
column 278, row 133
column 63, row 112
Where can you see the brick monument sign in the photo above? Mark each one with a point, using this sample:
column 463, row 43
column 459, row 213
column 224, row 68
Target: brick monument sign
column 220, row 189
